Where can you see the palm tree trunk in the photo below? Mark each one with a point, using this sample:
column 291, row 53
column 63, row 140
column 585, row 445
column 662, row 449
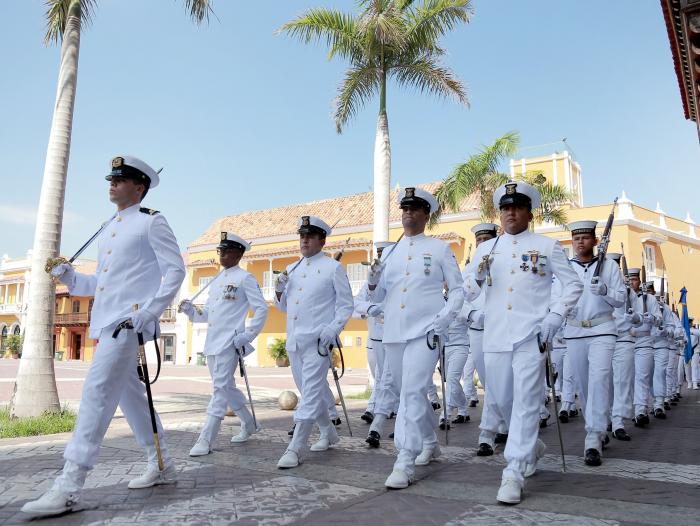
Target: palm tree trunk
column 382, row 169
column 35, row 387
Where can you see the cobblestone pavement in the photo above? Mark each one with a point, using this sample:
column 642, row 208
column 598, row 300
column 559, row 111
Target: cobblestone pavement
column 654, row 479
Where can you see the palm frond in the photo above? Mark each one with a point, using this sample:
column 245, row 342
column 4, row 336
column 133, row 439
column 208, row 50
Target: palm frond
column 427, row 76
column 338, row 30
column 199, row 10
column 360, row 84
column 433, row 19
column 57, row 12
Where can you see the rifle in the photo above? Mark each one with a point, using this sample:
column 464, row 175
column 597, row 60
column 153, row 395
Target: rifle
column 643, row 275
column 626, row 275
column 339, row 255
column 603, row 245
column 469, row 256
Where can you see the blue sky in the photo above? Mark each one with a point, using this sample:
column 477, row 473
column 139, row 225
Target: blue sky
column 241, row 117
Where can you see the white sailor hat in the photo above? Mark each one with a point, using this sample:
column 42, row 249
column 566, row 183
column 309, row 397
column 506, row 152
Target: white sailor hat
column 517, row 193
column 229, row 240
column 380, row 245
column 133, row 168
column 412, row 196
column 485, row 228
column 313, row 224
column 582, row 227
column 615, row 256
column 633, row 271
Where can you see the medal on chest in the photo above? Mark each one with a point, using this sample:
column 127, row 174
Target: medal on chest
column 230, row 292
column 534, row 262
column 427, row 263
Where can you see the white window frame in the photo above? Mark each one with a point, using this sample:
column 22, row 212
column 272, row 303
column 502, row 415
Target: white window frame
column 268, row 287
column 650, row 258
column 357, row 275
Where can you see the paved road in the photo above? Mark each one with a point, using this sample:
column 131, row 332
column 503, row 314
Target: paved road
column 653, row 480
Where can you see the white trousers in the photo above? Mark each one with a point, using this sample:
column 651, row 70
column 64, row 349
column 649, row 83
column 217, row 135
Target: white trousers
column 112, row 380
column 373, row 376
column 387, row 397
column 313, row 376
column 659, row 379
column 695, row 361
column 558, row 354
column 412, row 365
column 470, row 392
column 643, row 367
column 568, row 389
column 455, row 358
column 296, row 366
column 622, row 383
column 476, row 351
column 591, row 359
column 515, row 393
column 671, row 372
column 222, row 368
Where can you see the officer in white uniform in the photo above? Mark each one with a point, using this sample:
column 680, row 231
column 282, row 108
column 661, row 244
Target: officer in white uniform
column 622, row 385
column 409, row 282
column 375, row 352
column 590, row 335
column 675, row 349
column 138, row 263
column 456, row 353
column 664, row 330
column 515, row 270
column 316, row 295
column 648, row 308
column 231, row 295
column 694, row 374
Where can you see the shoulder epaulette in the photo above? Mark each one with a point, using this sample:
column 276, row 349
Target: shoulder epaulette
column 148, row 211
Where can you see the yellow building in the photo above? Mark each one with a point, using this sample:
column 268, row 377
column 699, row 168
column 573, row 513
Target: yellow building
column 670, row 246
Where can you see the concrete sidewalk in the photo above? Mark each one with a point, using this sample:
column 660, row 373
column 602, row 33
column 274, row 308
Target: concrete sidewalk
column 655, row 479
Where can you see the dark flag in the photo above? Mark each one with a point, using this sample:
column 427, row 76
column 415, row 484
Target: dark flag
column 686, row 326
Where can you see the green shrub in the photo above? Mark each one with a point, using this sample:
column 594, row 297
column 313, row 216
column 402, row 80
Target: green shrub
column 278, row 349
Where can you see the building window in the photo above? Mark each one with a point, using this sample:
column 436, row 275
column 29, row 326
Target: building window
column 90, row 305
column 650, row 258
column 358, row 341
column 268, row 288
column 16, row 331
column 168, row 343
column 202, row 298
column 357, row 274
column 76, row 306
column 347, row 341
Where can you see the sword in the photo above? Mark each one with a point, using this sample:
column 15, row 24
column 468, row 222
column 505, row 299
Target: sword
column 143, row 364
column 244, row 375
column 205, row 287
column 337, row 378
column 443, row 377
column 546, row 348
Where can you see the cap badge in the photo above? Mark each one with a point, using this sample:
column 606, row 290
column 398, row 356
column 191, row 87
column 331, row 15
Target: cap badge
column 410, row 192
column 224, row 236
column 305, row 221
column 117, row 162
column 510, row 188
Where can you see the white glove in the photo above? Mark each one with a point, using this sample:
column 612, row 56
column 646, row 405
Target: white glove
column 440, row 325
column 241, row 340
column 186, row 307
column 634, row 318
column 142, row 320
column 549, row 327
column 647, row 317
column 375, row 310
column 668, row 332
column 327, row 337
column 477, row 317
column 679, row 333
column 375, row 272
column 64, row 273
column 599, row 289
column 480, row 274
column 281, row 283
column 655, row 331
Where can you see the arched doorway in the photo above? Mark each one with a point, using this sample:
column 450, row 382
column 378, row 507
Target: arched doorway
column 4, row 331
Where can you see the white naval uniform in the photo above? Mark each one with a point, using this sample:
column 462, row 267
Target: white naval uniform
column 590, row 337
column 622, row 382
column 515, row 305
column 644, row 352
column 474, row 309
column 674, row 355
column 386, row 397
column 695, row 359
column 456, row 353
column 661, row 345
column 231, row 295
column 561, row 364
column 317, row 295
column 411, row 287
column 138, row 262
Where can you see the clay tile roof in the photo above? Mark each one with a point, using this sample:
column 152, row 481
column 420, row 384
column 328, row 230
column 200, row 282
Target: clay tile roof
column 347, row 211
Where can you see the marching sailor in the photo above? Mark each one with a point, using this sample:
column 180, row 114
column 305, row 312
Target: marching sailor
column 590, row 335
column 515, row 271
column 456, row 352
column 664, row 330
column 316, row 295
column 622, row 386
column 693, row 378
column 138, row 263
column 231, row 295
column 647, row 307
column 409, row 282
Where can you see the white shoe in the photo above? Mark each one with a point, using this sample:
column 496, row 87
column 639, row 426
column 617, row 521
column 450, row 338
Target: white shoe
column 695, row 387
column 509, row 492
column 244, row 435
column 540, row 448
column 200, row 448
column 398, row 479
column 428, row 455
column 154, row 477
column 323, row 444
column 53, row 502
column 290, row 459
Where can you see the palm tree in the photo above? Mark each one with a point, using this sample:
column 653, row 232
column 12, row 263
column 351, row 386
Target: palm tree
column 480, row 175
column 35, row 387
column 388, row 39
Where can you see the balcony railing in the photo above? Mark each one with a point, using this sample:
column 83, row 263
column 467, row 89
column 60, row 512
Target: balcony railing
column 72, row 318
column 10, row 308
column 169, row 315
